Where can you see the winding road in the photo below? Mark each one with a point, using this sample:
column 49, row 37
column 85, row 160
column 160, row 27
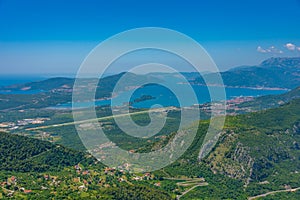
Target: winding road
column 194, row 182
column 274, row 192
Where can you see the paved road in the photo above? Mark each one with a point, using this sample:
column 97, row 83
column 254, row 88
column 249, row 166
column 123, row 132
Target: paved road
column 187, row 191
column 274, row 192
column 102, row 118
column 196, row 182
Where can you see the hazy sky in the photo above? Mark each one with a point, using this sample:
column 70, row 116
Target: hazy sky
column 53, row 37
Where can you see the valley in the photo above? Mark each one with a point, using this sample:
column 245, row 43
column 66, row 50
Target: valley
column 256, row 156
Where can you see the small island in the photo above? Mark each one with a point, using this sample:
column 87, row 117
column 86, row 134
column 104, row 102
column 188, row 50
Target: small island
column 142, row 98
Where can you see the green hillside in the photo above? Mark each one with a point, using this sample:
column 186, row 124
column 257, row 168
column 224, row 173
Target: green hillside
column 34, row 169
column 23, row 154
column 256, row 153
column 271, row 101
column 46, row 85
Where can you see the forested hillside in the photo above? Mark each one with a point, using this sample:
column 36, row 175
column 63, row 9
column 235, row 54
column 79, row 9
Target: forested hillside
column 256, row 153
column 23, row 154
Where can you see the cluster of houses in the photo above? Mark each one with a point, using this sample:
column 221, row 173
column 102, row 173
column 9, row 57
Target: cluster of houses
column 231, row 105
column 23, row 122
column 146, row 176
column 216, row 107
column 80, row 171
column 83, row 180
column 12, row 181
column 112, row 171
column 239, row 100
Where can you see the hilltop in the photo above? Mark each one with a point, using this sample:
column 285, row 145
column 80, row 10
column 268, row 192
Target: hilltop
column 24, row 154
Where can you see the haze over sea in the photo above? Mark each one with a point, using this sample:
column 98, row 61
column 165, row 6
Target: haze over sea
column 18, row 79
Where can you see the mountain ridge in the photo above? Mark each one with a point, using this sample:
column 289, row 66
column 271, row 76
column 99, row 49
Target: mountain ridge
column 271, row 73
column 276, row 72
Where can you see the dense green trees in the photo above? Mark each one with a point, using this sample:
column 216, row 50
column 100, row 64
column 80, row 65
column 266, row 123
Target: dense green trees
column 18, row 153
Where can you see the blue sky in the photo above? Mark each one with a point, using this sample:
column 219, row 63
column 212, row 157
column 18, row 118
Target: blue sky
column 53, row 37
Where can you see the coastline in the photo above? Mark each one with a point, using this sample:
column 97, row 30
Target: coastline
column 243, row 87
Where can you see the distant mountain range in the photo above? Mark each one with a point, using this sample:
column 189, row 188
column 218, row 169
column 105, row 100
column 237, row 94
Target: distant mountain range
column 256, row 153
column 271, row 73
column 105, row 85
column 58, row 90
